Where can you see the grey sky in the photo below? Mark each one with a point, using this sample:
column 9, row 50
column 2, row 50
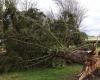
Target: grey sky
column 90, row 24
column 92, row 21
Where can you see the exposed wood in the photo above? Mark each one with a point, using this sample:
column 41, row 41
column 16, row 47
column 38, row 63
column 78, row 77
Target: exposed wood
column 91, row 64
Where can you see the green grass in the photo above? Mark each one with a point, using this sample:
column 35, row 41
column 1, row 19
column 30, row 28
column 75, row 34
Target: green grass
column 43, row 74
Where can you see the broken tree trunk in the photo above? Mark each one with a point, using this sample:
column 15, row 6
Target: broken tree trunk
column 91, row 64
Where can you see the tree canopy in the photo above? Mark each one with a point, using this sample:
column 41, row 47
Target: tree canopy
column 31, row 33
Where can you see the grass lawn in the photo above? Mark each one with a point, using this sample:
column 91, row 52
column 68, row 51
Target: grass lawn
column 43, row 74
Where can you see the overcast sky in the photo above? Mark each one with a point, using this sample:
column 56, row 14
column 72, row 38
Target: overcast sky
column 91, row 24
column 92, row 21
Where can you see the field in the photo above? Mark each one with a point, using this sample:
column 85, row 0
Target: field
column 65, row 73
column 93, row 38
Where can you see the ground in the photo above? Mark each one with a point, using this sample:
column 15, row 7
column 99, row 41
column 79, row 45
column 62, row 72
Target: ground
column 65, row 73
column 93, row 38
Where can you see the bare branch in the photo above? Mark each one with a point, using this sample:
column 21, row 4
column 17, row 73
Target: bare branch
column 71, row 7
column 28, row 4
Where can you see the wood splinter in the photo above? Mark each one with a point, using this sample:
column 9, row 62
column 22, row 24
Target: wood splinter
column 91, row 64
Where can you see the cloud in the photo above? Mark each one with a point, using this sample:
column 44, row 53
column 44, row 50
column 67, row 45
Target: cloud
column 47, row 5
column 92, row 21
column 91, row 24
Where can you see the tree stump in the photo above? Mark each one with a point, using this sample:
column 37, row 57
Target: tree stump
column 91, row 64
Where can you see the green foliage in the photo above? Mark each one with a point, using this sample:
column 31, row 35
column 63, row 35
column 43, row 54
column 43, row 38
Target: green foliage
column 57, row 62
column 31, row 34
